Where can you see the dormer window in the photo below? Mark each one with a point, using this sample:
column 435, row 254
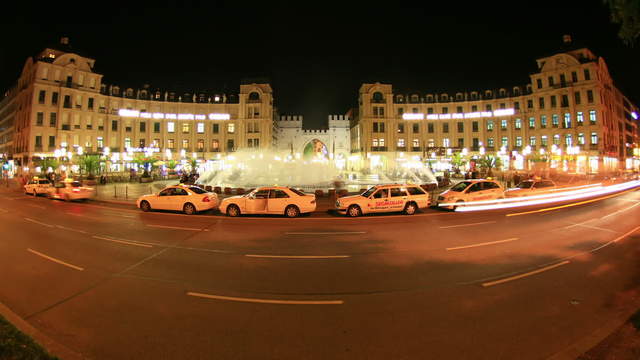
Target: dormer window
column 51, row 56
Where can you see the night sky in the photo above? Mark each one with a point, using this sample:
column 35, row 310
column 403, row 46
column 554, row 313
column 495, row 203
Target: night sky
column 317, row 54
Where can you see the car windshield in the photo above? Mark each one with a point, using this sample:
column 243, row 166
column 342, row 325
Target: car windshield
column 197, row 190
column 297, row 192
column 369, row 191
column 525, row 185
column 460, row 186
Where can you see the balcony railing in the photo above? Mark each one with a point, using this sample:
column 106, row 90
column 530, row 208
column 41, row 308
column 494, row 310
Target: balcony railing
column 378, row 148
column 416, row 148
column 401, row 148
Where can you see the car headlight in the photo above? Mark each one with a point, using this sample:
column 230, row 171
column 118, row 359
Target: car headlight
column 338, row 203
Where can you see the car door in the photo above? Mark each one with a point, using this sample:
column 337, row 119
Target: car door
column 474, row 192
column 378, row 201
column 162, row 200
column 278, row 201
column 397, row 198
column 257, row 202
column 178, row 199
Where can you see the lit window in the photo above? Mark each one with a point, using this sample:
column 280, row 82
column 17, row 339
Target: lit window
column 490, row 142
column 568, row 140
column 171, row 127
column 592, row 116
column 532, row 141
column 543, row 140
column 231, row 128
column 581, row 139
column 556, row 139
column 518, row 124
column 200, row 128
column 518, row 141
column 503, row 124
column 400, row 142
column 185, row 143
column 127, row 143
column 594, row 138
column 505, row 141
column 185, row 128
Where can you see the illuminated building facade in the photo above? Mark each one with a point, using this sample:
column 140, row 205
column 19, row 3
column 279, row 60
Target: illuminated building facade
column 571, row 113
column 60, row 103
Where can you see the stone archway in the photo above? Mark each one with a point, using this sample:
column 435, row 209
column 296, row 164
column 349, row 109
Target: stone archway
column 315, row 149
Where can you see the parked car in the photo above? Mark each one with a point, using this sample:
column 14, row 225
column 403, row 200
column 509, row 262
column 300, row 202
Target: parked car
column 185, row 198
column 385, row 198
column 38, row 186
column 270, row 200
column 470, row 190
column 530, row 187
column 69, row 190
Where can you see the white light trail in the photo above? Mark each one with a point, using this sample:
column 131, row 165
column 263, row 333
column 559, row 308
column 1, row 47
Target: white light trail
column 557, row 197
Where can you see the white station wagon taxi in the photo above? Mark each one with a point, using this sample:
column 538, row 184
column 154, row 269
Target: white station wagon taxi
column 69, row 190
column 270, row 200
column 37, row 186
column 185, row 198
column 531, row 187
column 384, row 198
column 469, row 191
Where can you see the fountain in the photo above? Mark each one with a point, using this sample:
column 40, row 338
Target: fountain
column 251, row 169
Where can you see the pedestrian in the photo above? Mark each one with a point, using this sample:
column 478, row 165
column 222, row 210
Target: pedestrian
column 516, row 179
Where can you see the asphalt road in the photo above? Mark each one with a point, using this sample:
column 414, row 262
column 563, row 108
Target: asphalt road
column 111, row 282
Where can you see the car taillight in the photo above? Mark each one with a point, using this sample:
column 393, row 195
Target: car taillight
column 76, row 190
column 206, row 199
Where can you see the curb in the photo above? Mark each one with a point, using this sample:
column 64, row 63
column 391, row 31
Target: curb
column 52, row 347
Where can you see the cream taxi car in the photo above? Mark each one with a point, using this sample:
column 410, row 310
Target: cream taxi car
column 530, row 187
column 384, row 198
column 38, row 186
column 469, row 191
column 185, row 198
column 278, row 200
column 69, row 190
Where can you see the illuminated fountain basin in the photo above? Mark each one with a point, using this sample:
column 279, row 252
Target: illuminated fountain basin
column 250, row 169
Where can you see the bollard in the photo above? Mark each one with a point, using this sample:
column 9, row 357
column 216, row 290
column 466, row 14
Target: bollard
column 115, row 192
column 319, row 193
column 239, row 191
column 227, row 191
column 217, row 190
column 126, row 192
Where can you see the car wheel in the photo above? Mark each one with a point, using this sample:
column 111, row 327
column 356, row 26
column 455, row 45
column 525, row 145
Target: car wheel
column 233, row 210
column 458, row 203
column 354, row 211
column 145, row 206
column 189, row 209
column 410, row 209
column 292, row 211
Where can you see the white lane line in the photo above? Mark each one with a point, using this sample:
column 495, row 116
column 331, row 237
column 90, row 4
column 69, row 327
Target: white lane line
column 516, row 277
column 177, row 228
column 298, row 256
column 55, row 260
column 38, row 222
column 619, row 211
column 126, row 242
column 481, row 244
column 70, row 229
column 267, row 301
column 632, row 200
column 625, row 235
column 591, row 227
column 455, row 226
column 327, row 233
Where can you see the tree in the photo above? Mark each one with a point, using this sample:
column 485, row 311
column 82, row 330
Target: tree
column 46, row 163
column 627, row 14
column 458, row 160
column 146, row 162
column 90, row 164
column 487, row 163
